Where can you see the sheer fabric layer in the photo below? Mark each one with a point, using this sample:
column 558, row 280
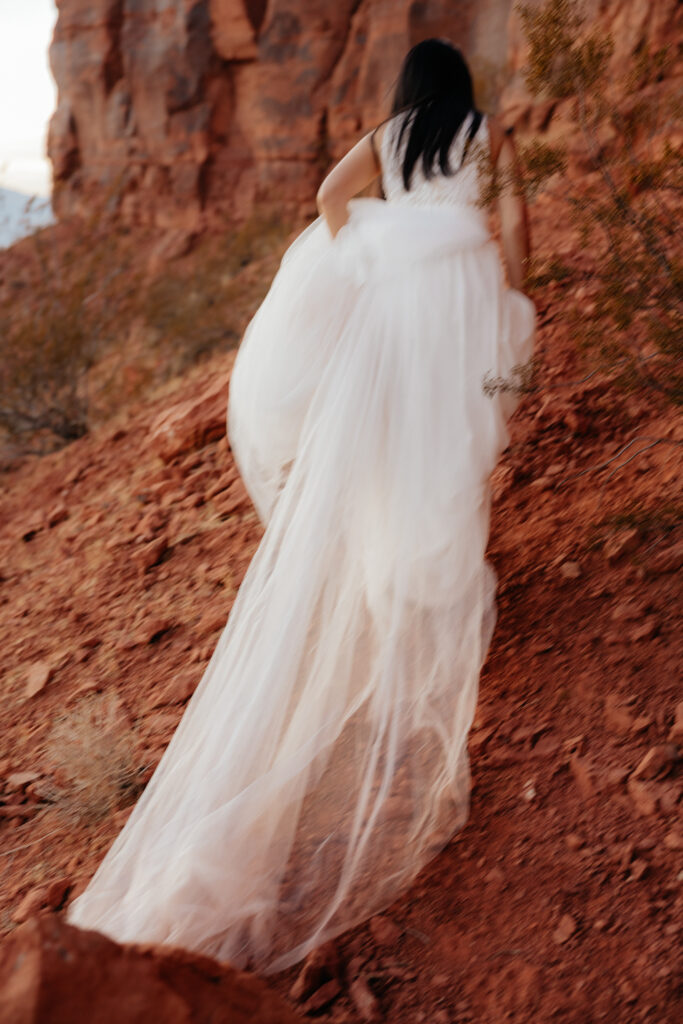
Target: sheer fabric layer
column 322, row 759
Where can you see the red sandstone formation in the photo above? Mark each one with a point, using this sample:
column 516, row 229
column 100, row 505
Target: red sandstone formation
column 188, row 110
column 184, row 106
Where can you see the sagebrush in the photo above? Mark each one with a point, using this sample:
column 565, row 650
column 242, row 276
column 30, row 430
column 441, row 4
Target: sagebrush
column 623, row 205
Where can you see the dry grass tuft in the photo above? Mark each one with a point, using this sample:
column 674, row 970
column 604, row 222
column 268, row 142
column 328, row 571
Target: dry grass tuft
column 90, row 750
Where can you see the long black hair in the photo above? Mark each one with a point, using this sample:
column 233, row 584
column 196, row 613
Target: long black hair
column 435, row 87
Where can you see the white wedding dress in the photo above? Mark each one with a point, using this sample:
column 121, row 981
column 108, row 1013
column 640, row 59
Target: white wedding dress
column 322, row 759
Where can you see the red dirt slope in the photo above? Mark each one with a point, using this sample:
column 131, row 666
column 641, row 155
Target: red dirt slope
column 561, row 899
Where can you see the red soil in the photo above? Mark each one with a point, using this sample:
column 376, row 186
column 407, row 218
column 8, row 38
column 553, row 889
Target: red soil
column 561, row 899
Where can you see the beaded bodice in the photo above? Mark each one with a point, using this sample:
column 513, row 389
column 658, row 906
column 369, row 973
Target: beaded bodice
column 461, row 187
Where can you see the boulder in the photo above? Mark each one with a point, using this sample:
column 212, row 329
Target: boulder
column 53, row 973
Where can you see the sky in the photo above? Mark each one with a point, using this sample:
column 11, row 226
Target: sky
column 27, row 94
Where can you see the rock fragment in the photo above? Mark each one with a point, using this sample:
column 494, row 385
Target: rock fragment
column 623, row 543
column 191, row 424
column 564, row 930
column 676, row 732
column 657, row 763
column 148, row 555
column 320, row 966
column 673, row 840
column 151, row 629
column 384, row 931
column 20, row 780
column 57, row 515
column 668, row 560
column 617, row 717
column 39, row 675
column 626, row 611
column 581, row 771
column 644, row 797
column 364, row 1000
column 322, row 997
column 645, row 630
column 30, row 904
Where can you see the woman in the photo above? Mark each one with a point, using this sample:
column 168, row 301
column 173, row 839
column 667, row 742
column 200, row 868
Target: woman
column 322, row 759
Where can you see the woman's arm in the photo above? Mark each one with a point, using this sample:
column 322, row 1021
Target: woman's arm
column 353, row 173
column 514, row 221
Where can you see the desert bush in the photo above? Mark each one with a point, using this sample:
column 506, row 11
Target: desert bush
column 623, row 208
column 90, row 751
column 43, row 356
column 488, row 78
column 60, row 304
column 81, row 317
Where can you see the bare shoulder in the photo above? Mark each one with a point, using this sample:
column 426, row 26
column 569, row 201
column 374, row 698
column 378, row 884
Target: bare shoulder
column 379, row 131
column 378, row 134
column 377, row 139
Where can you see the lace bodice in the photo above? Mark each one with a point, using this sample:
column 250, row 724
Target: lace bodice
column 460, row 187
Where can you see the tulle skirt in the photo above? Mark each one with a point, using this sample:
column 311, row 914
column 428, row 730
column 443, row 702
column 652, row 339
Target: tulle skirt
column 322, row 759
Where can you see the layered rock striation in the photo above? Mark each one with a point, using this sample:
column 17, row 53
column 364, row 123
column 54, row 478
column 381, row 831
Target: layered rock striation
column 184, row 111
column 177, row 108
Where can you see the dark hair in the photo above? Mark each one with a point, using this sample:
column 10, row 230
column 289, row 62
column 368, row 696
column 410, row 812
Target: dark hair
column 435, row 87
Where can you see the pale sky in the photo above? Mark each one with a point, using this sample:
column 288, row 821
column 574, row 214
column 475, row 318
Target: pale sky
column 27, row 94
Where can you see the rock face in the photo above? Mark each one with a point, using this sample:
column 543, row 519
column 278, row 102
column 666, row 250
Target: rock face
column 188, row 111
column 52, row 973
column 192, row 106
column 633, row 26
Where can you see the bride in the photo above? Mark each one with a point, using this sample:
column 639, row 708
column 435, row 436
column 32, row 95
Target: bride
column 322, row 759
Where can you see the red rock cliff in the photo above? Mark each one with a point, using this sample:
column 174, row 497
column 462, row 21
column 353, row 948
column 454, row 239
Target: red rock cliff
column 191, row 104
column 192, row 108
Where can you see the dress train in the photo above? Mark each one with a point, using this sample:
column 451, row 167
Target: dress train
column 322, row 759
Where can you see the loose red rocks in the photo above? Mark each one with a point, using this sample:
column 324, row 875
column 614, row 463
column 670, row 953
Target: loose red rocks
column 149, row 555
column 581, row 771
